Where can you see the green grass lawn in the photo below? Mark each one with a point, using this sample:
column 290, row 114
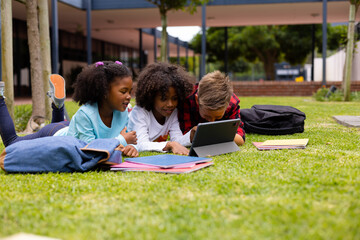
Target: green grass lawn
column 311, row 193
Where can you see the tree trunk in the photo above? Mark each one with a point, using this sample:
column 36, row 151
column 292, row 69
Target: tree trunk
column 269, row 68
column 37, row 86
column 349, row 52
column 7, row 54
column 45, row 52
column 164, row 38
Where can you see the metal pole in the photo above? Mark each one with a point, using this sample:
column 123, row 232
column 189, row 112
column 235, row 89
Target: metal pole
column 312, row 52
column 155, row 45
column 140, row 49
column 88, row 37
column 324, row 39
column 168, row 48
column 178, row 50
column 203, row 42
column 200, row 76
column 55, row 37
column 226, row 50
column 194, row 64
column 55, row 43
column 187, row 57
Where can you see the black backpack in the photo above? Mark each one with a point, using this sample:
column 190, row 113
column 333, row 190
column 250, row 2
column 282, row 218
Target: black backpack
column 273, row 120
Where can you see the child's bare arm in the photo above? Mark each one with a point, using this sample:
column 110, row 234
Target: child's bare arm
column 192, row 133
column 239, row 140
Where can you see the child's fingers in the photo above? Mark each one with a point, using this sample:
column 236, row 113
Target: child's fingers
column 182, row 152
column 134, row 153
column 178, row 149
column 130, row 151
column 126, row 150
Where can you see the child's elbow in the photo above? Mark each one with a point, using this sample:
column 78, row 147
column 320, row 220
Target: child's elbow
column 239, row 140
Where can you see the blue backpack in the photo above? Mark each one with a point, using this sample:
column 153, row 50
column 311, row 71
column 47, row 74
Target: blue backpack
column 59, row 154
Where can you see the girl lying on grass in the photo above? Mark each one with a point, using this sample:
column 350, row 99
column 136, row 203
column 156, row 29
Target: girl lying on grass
column 160, row 90
column 103, row 89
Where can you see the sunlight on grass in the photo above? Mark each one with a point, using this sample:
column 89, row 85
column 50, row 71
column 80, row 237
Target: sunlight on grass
column 311, row 193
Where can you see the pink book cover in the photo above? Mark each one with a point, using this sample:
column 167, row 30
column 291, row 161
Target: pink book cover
column 126, row 165
column 166, row 170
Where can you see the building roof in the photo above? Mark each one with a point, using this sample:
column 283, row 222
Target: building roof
column 117, row 21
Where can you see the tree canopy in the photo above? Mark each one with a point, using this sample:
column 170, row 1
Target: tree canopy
column 267, row 44
column 166, row 5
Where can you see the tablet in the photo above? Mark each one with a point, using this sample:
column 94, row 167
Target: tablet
column 215, row 138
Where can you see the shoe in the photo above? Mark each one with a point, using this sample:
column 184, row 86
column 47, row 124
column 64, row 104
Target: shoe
column 57, row 90
column 2, row 89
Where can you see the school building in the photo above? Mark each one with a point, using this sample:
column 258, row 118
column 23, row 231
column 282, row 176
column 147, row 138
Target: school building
column 89, row 30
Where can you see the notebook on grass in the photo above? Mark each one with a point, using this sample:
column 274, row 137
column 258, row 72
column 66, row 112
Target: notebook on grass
column 131, row 165
column 215, row 138
column 167, row 160
column 287, row 142
column 174, row 170
column 282, row 144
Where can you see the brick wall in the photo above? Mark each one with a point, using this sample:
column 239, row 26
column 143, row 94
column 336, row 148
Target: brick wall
column 283, row 88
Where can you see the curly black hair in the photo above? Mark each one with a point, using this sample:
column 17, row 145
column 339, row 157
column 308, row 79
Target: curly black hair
column 158, row 78
column 93, row 83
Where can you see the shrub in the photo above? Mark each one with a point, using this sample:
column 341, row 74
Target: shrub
column 323, row 94
column 320, row 94
column 22, row 114
column 337, row 96
column 355, row 96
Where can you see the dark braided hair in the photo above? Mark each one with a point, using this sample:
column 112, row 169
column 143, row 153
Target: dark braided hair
column 158, row 78
column 93, row 83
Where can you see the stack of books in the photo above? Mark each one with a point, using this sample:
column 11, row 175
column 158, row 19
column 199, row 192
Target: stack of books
column 165, row 163
column 282, row 144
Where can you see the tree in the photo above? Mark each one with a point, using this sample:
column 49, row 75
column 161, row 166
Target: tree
column 259, row 42
column 45, row 52
column 7, row 54
column 251, row 43
column 37, row 85
column 268, row 44
column 165, row 6
column 354, row 5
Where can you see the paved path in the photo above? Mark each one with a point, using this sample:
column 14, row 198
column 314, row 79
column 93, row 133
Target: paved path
column 348, row 121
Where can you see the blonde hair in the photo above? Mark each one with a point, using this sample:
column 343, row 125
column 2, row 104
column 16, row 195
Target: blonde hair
column 214, row 91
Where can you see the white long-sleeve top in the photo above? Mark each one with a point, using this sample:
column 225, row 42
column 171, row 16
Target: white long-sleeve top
column 151, row 135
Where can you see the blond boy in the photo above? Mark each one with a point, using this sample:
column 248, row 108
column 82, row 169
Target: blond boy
column 212, row 99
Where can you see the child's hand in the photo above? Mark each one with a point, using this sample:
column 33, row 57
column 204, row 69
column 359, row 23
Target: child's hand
column 130, row 137
column 192, row 133
column 130, row 151
column 176, row 148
